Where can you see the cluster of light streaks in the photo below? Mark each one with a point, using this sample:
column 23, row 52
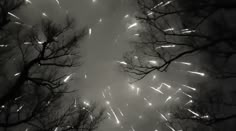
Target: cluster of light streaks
column 115, row 113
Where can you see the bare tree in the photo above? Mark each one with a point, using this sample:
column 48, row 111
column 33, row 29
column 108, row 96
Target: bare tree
column 34, row 65
column 182, row 30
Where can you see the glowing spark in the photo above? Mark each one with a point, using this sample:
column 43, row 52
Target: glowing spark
column 172, row 129
column 117, row 120
column 100, row 20
column 166, row 46
column 91, row 117
column 169, row 29
column 185, row 63
column 158, row 90
column 20, row 108
column 140, row 117
column 85, row 76
column 132, row 86
column 168, row 99
column 122, row 62
column 28, row 2
column 58, row 2
column 138, row 90
column 189, row 102
column 3, row 45
column 40, row 42
column 67, row 78
column 90, row 32
column 16, row 74
column 44, row 14
column 126, row 16
column 56, row 129
column 149, row 103
column 153, row 62
column 187, row 94
column 197, row 73
column 86, row 103
column 108, row 102
column 178, row 90
column 150, row 13
column 94, row 1
column 27, row 43
column 205, row 117
column 167, row 3
column 132, row 25
column 9, row 13
column 186, row 31
column 135, row 57
column 27, row 129
column 121, row 112
column 194, row 89
column 154, row 77
column 194, row 113
column 136, row 34
column 75, row 103
column 164, row 117
column 132, row 128
column 160, row 3
column 166, row 85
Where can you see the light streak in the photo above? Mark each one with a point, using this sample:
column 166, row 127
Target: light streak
column 9, row 13
column 56, row 129
column 94, row 1
column 186, row 31
column 132, row 86
column 85, row 76
column 166, row 85
column 172, row 129
column 27, row 43
column 90, row 32
column 20, row 108
column 185, row 63
column 135, row 57
column 100, row 20
column 169, row 29
column 86, row 103
column 28, row 2
column 108, row 102
column 121, row 112
column 194, row 113
column 168, row 98
column 103, row 95
column 122, row 62
column 16, row 74
column 3, row 45
column 167, row 3
column 150, row 13
column 133, row 25
column 153, row 62
column 75, row 103
column 44, row 14
column 197, row 73
column 158, row 90
column 138, row 90
column 149, row 103
column 166, row 46
column 154, row 77
column 67, row 78
column 126, row 16
column 117, row 120
column 136, row 34
column 194, row 89
column 132, row 128
column 189, row 102
column 163, row 117
column 187, row 94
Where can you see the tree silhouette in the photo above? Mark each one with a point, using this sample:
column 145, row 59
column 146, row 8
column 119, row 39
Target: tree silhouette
column 34, row 65
column 174, row 31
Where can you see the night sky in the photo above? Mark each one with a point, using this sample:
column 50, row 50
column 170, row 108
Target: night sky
column 111, row 28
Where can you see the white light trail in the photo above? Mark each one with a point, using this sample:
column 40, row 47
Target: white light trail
column 90, row 32
column 100, row 20
column 103, row 94
column 9, row 13
column 16, row 74
column 197, row 73
column 166, row 85
column 172, row 129
column 94, row 1
column 167, row 3
column 153, row 62
column 189, row 102
column 187, row 94
column 56, row 129
column 44, row 14
column 194, row 89
column 194, row 113
column 3, row 45
column 122, row 62
column 187, row 31
column 120, row 112
column 86, row 103
column 150, row 13
column 184, row 63
column 75, row 103
column 169, row 29
column 20, row 108
column 157, row 89
column 138, row 90
column 164, row 117
column 133, row 25
column 28, row 2
column 148, row 102
column 67, row 78
column 126, row 16
column 117, row 120
column 85, row 76
column 132, row 128
column 168, row 98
